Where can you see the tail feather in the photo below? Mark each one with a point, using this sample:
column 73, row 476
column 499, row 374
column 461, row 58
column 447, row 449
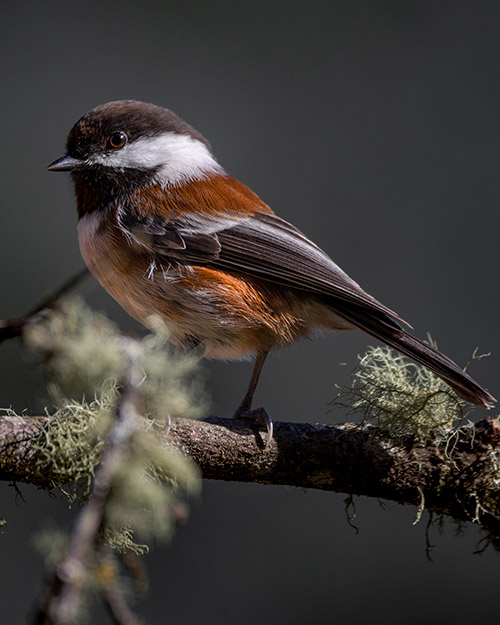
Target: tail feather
column 382, row 327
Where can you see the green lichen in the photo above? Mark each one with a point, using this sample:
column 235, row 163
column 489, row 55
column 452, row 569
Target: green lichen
column 147, row 486
column 103, row 569
column 80, row 347
column 70, row 445
column 409, row 405
column 123, row 540
column 85, row 356
column 148, row 482
column 401, row 397
column 83, row 348
column 494, row 458
column 51, row 544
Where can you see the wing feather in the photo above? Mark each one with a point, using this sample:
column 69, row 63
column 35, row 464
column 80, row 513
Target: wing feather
column 262, row 245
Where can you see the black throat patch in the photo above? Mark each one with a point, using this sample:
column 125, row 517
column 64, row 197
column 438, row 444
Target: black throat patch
column 99, row 188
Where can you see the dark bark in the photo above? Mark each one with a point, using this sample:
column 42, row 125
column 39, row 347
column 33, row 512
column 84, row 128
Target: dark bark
column 459, row 480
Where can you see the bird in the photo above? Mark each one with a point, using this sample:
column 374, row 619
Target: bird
column 168, row 232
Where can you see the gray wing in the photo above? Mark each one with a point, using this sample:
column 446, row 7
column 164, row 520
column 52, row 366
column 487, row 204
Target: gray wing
column 262, row 246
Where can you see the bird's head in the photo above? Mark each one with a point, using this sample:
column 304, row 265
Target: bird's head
column 120, row 146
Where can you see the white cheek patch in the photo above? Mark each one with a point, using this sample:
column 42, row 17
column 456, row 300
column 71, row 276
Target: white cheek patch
column 178, row 158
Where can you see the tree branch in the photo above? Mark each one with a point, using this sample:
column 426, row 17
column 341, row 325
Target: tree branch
column 460, row 480
column 14, row 327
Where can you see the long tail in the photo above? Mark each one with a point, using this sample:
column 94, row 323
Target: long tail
column 382, row 327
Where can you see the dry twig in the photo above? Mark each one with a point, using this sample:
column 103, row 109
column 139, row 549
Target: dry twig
column 62, row 605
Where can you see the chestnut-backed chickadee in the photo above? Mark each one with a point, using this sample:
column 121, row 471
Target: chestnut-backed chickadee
column 167, row 231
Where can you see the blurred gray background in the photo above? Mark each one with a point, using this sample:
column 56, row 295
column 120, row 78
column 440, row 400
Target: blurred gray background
column 371, row 125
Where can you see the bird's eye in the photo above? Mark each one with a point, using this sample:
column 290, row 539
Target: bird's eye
column 117, row 140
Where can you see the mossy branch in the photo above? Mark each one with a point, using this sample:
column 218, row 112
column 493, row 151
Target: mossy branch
column 460, row 479
column 412, row 448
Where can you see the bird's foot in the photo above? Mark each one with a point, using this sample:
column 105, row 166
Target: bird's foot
column 261, row 416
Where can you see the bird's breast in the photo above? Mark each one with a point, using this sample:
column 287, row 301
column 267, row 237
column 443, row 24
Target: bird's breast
column 120, row 268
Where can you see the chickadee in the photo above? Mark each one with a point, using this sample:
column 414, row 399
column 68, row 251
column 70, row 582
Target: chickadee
column 167, row 231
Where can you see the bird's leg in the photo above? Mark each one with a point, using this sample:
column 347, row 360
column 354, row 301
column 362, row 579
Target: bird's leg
column 245, row 408
column 246, row 404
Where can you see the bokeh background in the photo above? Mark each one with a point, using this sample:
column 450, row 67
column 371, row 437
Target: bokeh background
column 374, row 127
